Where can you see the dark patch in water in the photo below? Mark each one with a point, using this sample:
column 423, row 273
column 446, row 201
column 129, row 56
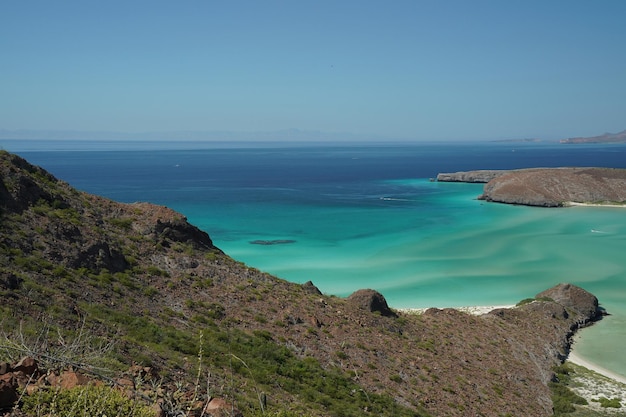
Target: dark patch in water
column 272, row 242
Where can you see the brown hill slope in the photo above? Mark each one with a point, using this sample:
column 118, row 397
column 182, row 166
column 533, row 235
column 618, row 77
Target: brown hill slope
column 553, row 187
column 547, row 187
column 136, row 283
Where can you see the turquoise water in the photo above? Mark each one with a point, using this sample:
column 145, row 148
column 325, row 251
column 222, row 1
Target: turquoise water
column 456, row 251
column 366, row 216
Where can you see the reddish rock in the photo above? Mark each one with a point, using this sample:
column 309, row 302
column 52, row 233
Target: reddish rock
column 67, row 379
column 5, row 367
column 219, row 407
column 28, row 365
column 8, row 390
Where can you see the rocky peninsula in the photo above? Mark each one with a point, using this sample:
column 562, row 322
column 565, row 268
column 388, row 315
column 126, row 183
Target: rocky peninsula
column 548, row 187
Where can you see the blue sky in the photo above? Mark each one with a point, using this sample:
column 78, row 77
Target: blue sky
column 424, row 70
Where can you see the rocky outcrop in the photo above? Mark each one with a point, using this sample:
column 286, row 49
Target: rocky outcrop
column 372, row 301
column 480, row 176
column 577, row 302
column 179, row 230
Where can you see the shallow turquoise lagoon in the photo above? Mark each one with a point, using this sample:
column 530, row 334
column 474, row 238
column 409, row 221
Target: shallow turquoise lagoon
column 440, row 247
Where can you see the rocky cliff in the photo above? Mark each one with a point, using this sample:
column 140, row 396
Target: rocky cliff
column 95, row 286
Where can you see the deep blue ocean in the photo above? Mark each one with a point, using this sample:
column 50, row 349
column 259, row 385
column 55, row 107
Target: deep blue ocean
column 353, row 216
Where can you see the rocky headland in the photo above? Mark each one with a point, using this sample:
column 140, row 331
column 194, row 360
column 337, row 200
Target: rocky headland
column 548, row 187
column 134, row 298
column 619, row 137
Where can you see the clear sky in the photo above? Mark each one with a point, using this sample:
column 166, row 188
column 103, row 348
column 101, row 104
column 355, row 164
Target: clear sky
column 469, row 69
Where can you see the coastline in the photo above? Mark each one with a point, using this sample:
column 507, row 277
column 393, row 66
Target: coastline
column 575, row 204
column 573, row 357
column 474, row 310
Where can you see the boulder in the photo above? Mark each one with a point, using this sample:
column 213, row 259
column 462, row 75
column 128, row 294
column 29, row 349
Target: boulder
column 218, row 407
column 372, row 301
column 310, row 288
column 27, row 365
column 8, row 390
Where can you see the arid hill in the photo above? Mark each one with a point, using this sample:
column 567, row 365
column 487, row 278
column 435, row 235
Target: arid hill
column 548, row 187
column 134, row 296
column 619, row 137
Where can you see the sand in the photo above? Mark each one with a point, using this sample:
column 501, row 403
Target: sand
column 574, row 358
column 475, row 310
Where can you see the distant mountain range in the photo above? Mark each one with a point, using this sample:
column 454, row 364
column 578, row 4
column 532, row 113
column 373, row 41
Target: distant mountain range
column 604, row 138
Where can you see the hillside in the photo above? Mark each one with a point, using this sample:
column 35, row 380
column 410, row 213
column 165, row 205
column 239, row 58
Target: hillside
column 135, row 296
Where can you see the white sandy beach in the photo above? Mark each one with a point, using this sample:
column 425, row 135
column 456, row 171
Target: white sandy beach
column 475, row 310
column 572, row 203
column 574, row 358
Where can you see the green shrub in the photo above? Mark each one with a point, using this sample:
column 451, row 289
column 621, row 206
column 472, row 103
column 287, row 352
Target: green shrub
column 122, row 222
column 612, row 403
column 563, row 398
column 525, row 301
column 396, row 378
column 81, row 401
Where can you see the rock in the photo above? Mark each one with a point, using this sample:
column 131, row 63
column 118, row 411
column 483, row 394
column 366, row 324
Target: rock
column 575, row 299
column 479, row 176
column 372, row 301
column 218, row 407
column 310, row 288
column 8, row 390
column 27, row 365
column 67, row 379
column 178, row 230
column 11, row 282
column 5, row 367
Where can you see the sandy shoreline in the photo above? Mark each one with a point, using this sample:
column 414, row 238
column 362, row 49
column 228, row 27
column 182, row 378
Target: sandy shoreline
column 572, row 203
column 572, row 357
column 475, row 310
